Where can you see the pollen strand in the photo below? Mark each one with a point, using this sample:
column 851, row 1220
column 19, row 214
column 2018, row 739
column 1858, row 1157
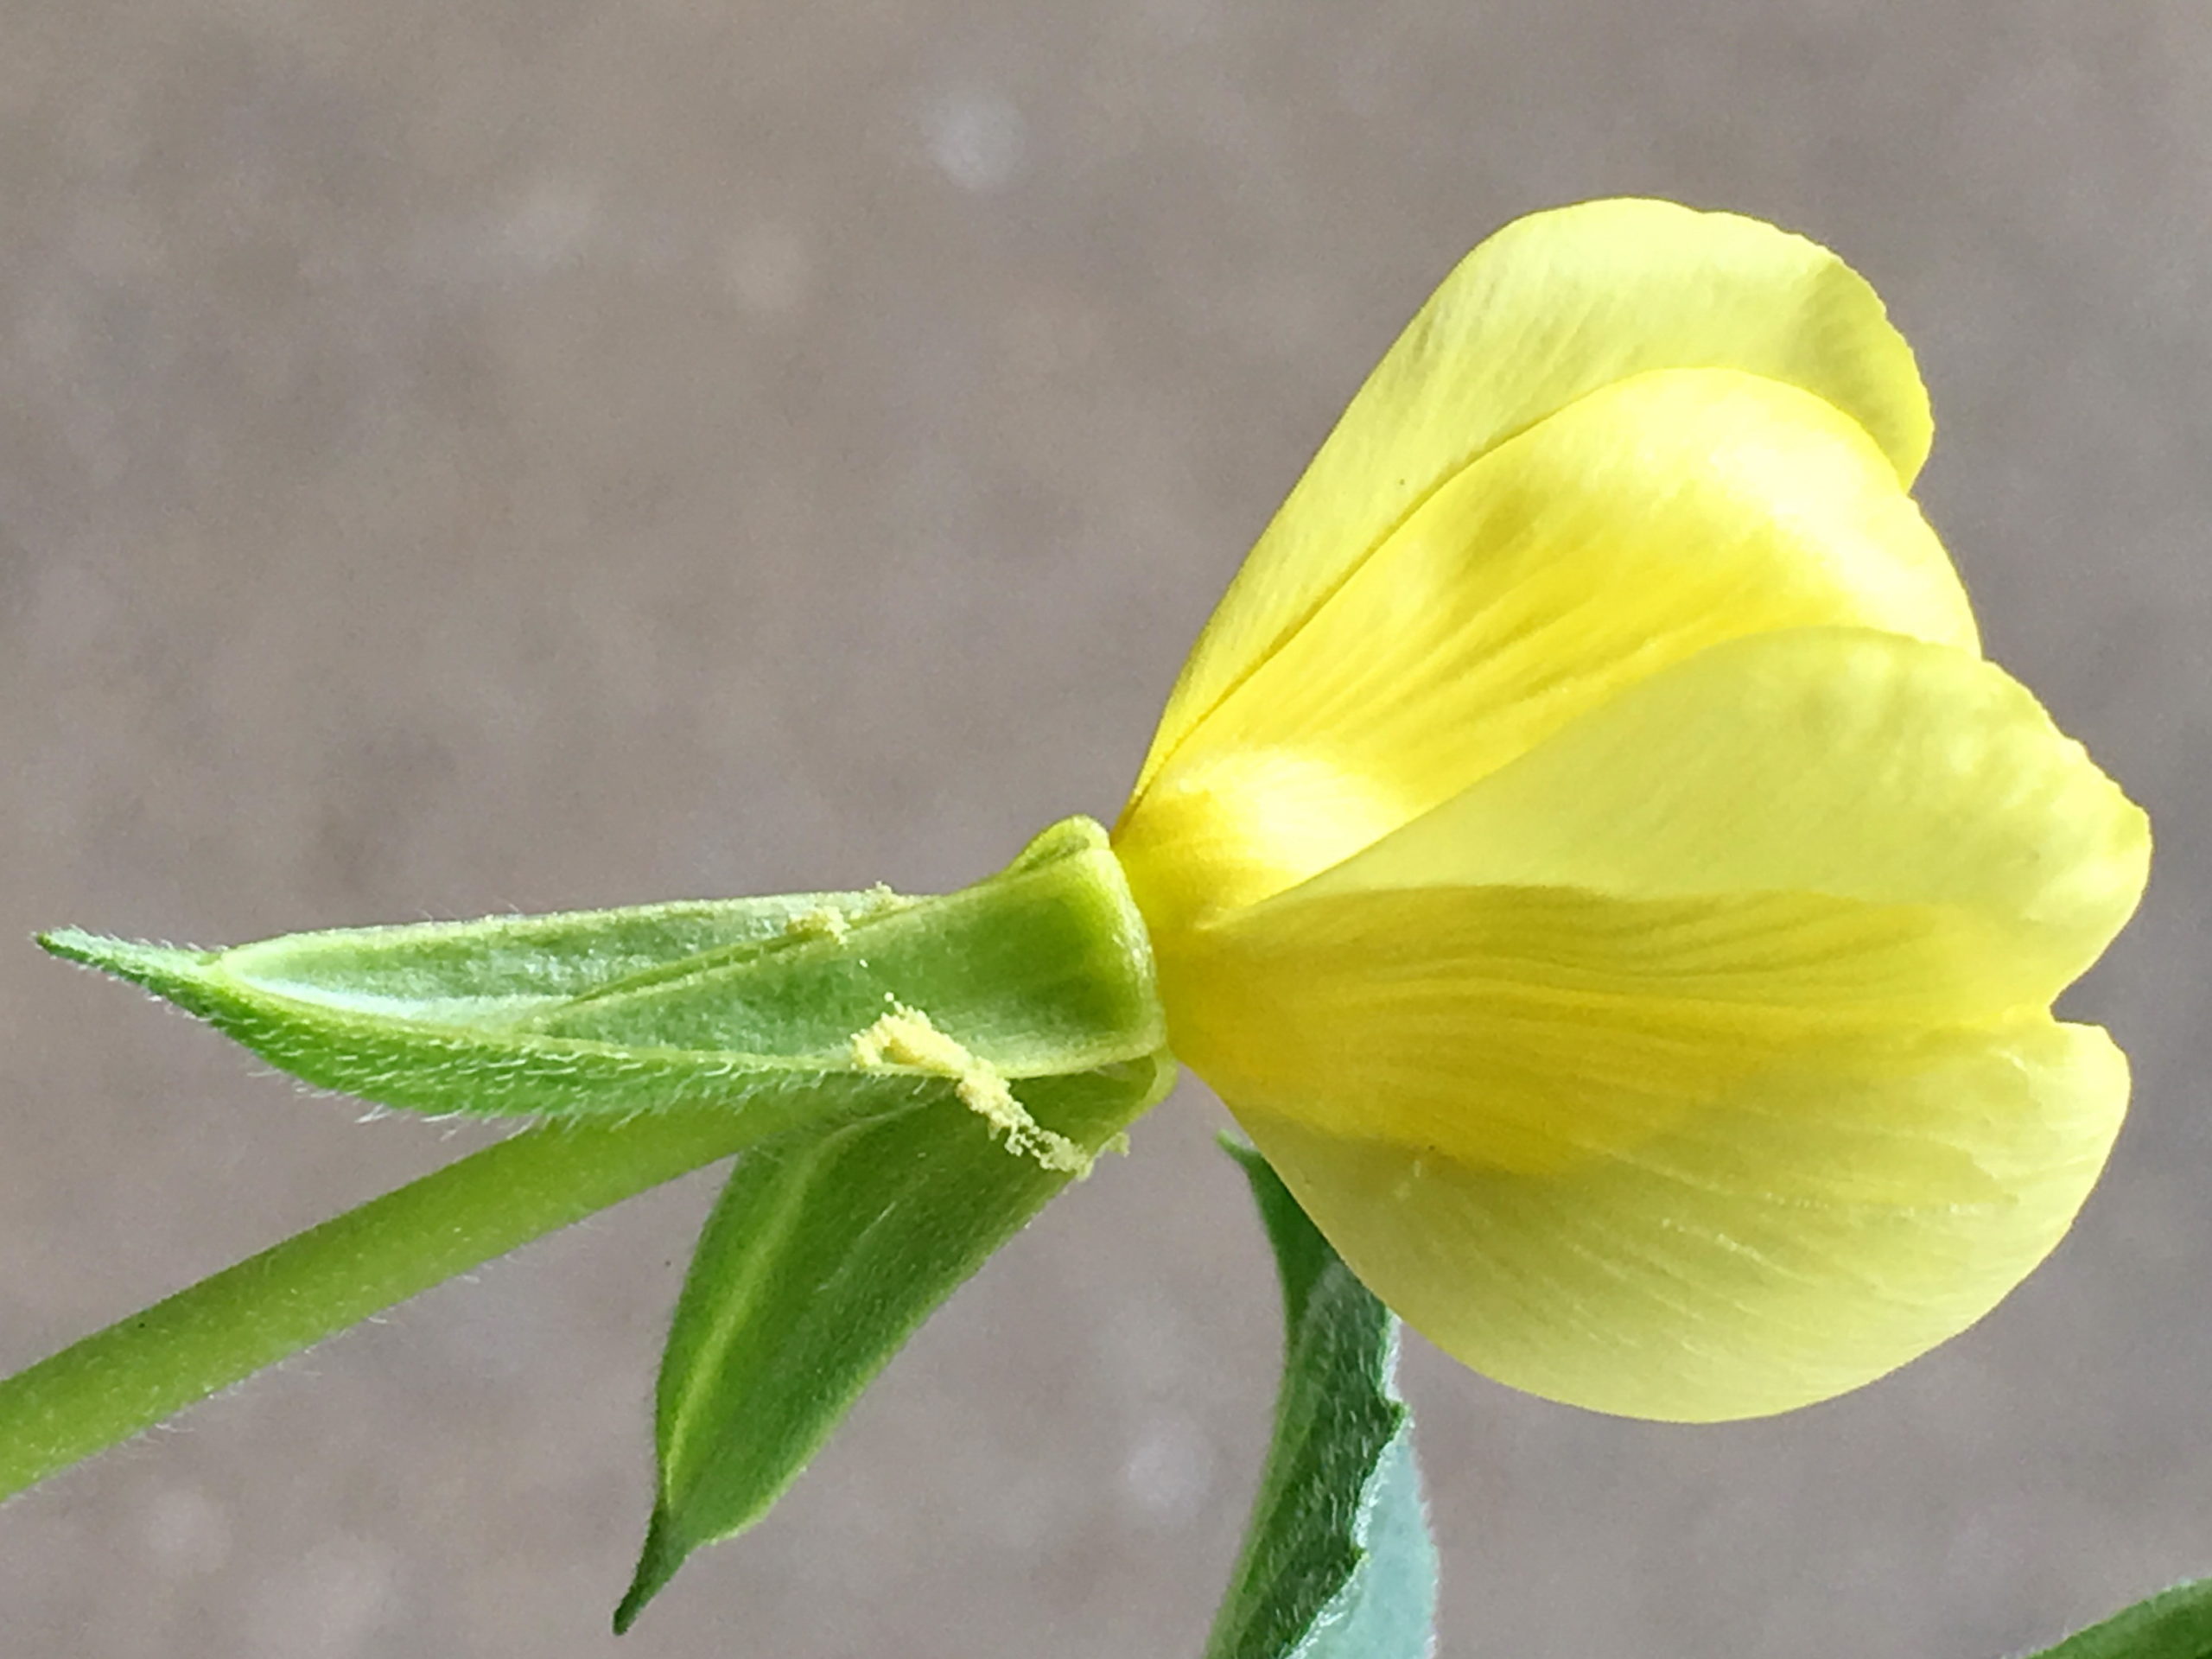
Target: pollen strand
column 906, row 1037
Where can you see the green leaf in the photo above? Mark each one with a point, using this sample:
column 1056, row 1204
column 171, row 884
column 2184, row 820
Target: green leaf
column 751, row 1004
column 824, row 1255
column 932, row 1071
column 2175, row 1624
column 1338, row 1561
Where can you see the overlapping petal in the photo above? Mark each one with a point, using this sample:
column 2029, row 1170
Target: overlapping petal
column 1839, row 761
column 1588, row 852
column 1532, row 1029
column 1813, row 1228
column 1654, row 517
column 1765, row 941
column 1551, row 308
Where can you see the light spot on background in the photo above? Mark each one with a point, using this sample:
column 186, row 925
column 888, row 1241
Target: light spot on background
column 1170, row 1469
column 976, row 138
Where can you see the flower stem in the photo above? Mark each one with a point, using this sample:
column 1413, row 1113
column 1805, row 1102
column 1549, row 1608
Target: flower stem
column 116, row 1383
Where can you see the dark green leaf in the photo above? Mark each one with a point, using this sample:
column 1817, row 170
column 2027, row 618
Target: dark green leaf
column 822, row 1257
column 753, row 1004
column 1338, row 1562
column 2175, row 1624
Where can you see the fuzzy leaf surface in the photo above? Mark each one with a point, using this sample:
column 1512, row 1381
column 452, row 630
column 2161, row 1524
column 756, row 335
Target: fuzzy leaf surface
column 751, row 1004
column 1338, row 1561
column 823, row 1254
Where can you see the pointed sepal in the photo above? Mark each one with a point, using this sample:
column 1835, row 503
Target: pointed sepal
column 824, row 1255
column 771, row 1007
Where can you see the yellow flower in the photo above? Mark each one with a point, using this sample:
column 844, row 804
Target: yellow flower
column 1590, row 854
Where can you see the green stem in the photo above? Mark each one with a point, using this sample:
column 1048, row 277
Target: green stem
column 121, row 1381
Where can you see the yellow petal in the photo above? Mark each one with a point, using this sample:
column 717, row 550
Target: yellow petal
column 1551, row 308
column 1695, row 1065
column 1827, row 760
column 1534, row 1029
column 1644, row 522
column 1825, row 1221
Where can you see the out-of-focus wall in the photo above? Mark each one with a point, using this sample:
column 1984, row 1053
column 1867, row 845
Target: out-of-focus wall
column 530, row 454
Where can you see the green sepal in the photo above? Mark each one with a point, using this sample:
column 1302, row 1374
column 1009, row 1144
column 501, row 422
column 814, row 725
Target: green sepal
column 2175, row 1624
column 1338, row 1560
column 824, row 1254
column 751, row 1004
column 930, row 1072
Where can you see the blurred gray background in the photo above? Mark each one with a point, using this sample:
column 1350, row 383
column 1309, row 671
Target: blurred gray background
column 535, row 453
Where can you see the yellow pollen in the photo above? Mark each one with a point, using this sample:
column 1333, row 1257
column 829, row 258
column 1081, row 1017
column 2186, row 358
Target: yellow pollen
column 905, row 1037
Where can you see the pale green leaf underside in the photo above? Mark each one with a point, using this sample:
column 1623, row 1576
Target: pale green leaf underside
column 752, row 1004
column 1338, row 1561
column 2175, row 1624
column 822, row 1257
